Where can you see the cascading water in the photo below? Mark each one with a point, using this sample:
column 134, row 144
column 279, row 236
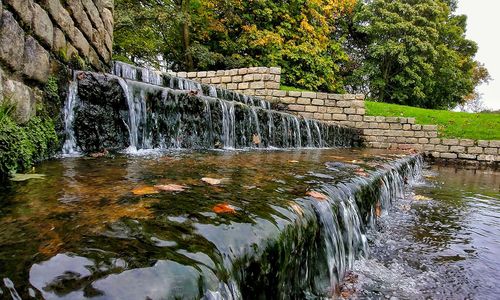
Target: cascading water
column 133, row 119
column 180, row 116
column 69, row 147
column 228, row 124
column 309, row 135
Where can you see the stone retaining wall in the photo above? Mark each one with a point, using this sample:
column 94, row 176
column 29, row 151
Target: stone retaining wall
column 403, row 133
column 345, row 109
column 256, row 81
column 39, row 37
column 377, row 132
column 265, row 83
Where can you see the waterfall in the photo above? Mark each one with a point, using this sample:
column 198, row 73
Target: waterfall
column 132, row 118
column 298, row 137
column 320, row 141
column 270, row 122
column 212, row 91
column 152, row 77
column 228, row 124
column 69, row 147
column 257, row 126
column 180, row 116
column 309, row 135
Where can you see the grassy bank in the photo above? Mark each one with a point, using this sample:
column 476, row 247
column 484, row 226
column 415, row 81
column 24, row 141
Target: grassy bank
column 291, row 88
column 482, row 126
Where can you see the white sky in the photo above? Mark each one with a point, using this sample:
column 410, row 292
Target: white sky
column 483, row 27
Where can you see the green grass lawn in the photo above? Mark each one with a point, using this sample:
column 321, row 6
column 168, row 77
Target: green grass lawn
column 291, row 88
column 482, row 126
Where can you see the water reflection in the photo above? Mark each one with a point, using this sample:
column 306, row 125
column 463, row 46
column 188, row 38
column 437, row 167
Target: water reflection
column 83, row 233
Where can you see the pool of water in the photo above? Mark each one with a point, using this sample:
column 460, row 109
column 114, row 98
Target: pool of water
column 230, row 224
column 441, row 242
column 243, row 224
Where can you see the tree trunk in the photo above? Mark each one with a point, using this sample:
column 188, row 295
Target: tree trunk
column 186, row 35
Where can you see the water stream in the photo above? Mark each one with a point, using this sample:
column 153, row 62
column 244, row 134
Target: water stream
column 140, row 109
column 168, row 214
column 441, row 241
column 97, row 228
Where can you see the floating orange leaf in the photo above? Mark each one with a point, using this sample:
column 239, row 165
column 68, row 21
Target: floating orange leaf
column 145, row 190
column 378, row 209
column 421, row 198
column 211, row 181
column 296, row 208
column 317, row 195
column 170, row 187
column 224, row 208
column 361, row 172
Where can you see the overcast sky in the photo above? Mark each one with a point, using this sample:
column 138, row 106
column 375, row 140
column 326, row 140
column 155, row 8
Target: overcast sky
column 483, row 26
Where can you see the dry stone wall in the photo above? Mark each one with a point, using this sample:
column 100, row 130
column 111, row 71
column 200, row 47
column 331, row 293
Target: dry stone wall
column 39, row 37
column 345, row 109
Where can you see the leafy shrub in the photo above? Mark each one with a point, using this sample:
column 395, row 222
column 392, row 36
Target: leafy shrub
column 23, row 145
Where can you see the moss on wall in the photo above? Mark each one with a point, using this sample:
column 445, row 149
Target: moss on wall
column 23, row 145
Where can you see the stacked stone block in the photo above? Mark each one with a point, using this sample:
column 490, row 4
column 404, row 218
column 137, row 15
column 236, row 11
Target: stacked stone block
column 39, row 36
column 403, row 133
column 256, row 81
column 346, row 109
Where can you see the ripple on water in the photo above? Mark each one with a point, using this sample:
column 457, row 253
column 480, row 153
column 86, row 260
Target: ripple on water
column 444, row 248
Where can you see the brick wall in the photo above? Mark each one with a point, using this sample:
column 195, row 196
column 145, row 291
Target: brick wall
column 39, row 37
column 404, row 133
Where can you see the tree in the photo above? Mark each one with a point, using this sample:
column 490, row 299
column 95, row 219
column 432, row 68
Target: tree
column 416, row 53
column 209, row 34
column 176, row 30
column 296, row 35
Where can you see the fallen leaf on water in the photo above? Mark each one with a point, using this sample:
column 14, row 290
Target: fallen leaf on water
column 296, row 208
column 378, row 209
column 361, row 172
column 144, row 190
column 170, row 187
column 421, row 198
column 317, row 195
column 99, row 154
column 24, row 177
column 224, row 208
column 211, row 181
column 358, row 161
column 256, row 139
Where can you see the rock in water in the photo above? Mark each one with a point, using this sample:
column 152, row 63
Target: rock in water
column 101, row 118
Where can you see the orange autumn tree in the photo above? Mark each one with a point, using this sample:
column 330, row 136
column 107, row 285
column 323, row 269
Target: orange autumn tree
column 296, row 35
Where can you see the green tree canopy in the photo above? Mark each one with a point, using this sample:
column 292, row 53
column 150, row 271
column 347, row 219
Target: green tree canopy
column 411, row 52
column 417, row 53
